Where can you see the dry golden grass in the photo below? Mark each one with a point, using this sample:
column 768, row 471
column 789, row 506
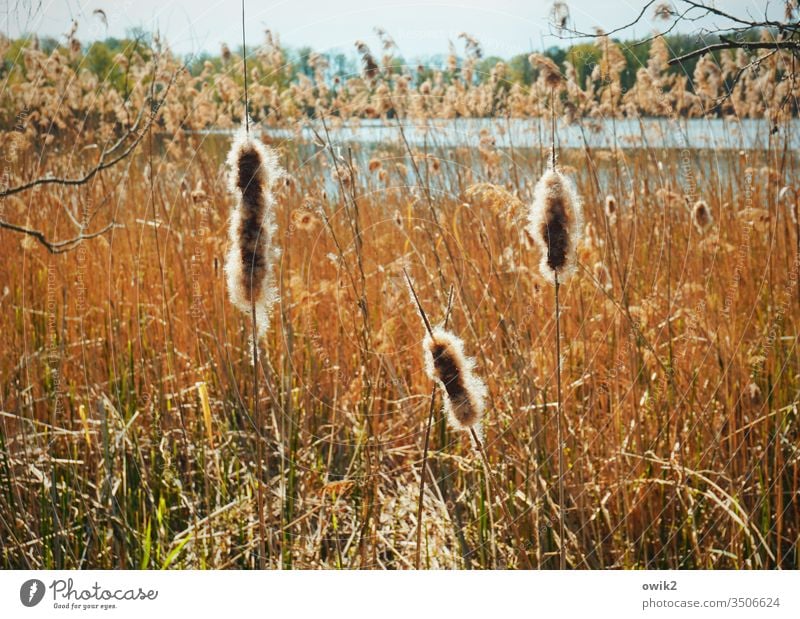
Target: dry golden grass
column 126, row 380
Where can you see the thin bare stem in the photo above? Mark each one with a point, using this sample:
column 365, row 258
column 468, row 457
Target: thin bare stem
column 259, row 439
column 562, row 547
column 562, row 562
column 262, row 533
column 419, row 305
column 244, row 60
column 552, row 128
column 427, row 442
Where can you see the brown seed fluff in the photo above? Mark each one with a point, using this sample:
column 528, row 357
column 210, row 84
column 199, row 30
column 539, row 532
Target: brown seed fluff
column 555, row 222
column 611, row 207
column 701, row 215
column 248, row 265
column 465, row 393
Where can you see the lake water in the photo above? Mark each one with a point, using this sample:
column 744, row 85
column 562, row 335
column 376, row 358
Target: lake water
column 746, row 134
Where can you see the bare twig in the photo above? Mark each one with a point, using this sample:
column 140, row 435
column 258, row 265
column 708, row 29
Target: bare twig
column 698, row 9
column 56, row 247
column 103, row 164
column 731, row 44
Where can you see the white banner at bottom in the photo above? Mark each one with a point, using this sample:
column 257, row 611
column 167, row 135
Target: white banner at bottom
column 352, row 594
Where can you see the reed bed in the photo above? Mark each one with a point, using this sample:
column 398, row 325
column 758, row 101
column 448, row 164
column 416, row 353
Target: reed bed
column 127, row 434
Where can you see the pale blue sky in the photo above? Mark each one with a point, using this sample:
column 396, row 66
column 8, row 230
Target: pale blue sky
column 504, row 27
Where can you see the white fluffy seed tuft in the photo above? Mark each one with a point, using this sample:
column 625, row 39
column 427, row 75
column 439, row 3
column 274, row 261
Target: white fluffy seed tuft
column 252, row 171
column 555, row 223
column 464, row 393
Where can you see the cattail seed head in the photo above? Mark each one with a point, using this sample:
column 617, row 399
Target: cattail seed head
column 701, row 215
column 555, row 223
column 611, row 208
column 253, row 169
column 465, row 393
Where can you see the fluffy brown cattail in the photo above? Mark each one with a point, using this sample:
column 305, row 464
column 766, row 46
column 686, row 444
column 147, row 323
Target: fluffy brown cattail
column 253, row 168
column 555, row 222
column 465, row 393
column 701, row 215
column 611, row 208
